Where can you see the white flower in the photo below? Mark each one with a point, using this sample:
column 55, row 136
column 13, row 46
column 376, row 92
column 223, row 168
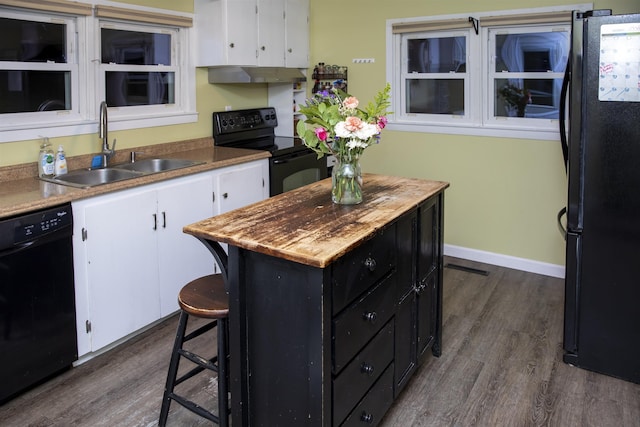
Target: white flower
column 356, row 143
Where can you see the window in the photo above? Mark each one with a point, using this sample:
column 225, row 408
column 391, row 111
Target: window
column 138, row 68
column 38, row 68
column 135, row 59
column 494, row 74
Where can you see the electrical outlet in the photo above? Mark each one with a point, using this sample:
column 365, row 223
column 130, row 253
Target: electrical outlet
column 363, row 60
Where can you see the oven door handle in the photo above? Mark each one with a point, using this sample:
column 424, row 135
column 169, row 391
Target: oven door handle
column 293, row 156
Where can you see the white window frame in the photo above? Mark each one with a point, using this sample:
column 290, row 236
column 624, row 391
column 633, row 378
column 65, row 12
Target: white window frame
column 88, row 87
column 479, row 101
column 75, row 57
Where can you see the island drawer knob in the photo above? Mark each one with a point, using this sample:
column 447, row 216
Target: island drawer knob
column 365, row 368
column 370, row 316
column 370, row 263
column 366, row 418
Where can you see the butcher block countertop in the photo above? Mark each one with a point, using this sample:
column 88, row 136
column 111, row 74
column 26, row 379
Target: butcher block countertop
column 21, row 191
column 304, row 226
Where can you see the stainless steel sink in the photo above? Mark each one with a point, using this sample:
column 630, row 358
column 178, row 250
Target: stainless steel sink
column 156, row 165
column 86, row 178
column 92, row 177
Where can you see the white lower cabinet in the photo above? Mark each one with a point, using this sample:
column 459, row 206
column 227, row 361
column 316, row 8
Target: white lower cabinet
column 131, row 257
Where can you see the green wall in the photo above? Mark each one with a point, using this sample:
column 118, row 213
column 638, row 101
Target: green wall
column 505, row 193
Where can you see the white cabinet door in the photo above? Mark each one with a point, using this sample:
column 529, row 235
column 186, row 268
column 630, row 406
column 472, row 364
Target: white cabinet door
column 241, row 185
column 122, row 273
column 181, row 257
column 297, row 33
column 271, row 33
column 226, row 32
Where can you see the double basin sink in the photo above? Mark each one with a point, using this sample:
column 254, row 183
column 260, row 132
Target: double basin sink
column 86, row 178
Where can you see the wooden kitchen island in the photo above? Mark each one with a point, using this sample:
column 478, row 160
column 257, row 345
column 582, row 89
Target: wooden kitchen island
column 332, row 308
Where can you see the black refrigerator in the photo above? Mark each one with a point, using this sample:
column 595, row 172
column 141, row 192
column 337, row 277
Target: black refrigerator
column 601, row 143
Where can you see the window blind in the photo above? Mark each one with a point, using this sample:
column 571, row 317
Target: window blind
column 414, row 27
column 60, row 6
column 529, row 18
column 452, row 24
column 142, row 16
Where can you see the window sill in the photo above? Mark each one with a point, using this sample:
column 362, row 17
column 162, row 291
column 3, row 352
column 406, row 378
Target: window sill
column 54, row 130
column 475, row 130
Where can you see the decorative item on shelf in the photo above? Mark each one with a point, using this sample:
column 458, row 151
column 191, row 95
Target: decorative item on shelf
column 338, row 127
column 329, row 76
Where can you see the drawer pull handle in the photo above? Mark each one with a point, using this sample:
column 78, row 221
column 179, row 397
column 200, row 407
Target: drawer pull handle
column 365, row 368
column 370, row 263
column 370, row 316
column 366, row 418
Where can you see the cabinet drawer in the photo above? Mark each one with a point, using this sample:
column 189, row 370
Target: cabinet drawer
column 361, row 373
column 354, row 327
column 359, row 270
column 375, row 404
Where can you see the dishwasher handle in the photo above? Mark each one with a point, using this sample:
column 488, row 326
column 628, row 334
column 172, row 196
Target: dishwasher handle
column 16, row 249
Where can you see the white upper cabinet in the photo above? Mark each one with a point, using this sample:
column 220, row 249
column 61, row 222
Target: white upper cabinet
column 271, row 33
column 297, row 33
column 226, row 32
column 267, row 33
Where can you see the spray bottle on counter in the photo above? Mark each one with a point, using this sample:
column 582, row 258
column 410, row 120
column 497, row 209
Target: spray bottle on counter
column 60, row 167
column 46, row 159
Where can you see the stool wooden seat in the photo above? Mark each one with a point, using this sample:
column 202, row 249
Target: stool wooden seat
column 207, row 298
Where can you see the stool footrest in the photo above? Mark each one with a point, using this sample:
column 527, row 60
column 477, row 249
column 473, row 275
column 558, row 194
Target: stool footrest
column 201, row 330
column 194, row 407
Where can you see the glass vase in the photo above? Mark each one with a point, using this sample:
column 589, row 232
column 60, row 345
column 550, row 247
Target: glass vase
column 346, row 180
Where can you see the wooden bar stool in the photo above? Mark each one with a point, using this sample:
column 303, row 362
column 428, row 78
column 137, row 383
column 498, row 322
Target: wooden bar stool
column 205, row 297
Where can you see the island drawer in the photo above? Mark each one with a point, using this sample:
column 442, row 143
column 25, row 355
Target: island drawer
column 361, row 373
column 365, row 265
column 355, row 326
column 375, row 404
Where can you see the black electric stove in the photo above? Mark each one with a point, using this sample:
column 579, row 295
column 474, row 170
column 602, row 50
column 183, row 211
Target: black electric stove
column 254, row 129
column 292, row 164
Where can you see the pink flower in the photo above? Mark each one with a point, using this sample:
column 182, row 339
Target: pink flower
column 382, row 122
column 350, row 103
column 352, row 124
column 321, row 133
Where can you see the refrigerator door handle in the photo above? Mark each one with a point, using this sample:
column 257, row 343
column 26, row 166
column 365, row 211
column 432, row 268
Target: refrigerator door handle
column 564, row 93
column 561, row 227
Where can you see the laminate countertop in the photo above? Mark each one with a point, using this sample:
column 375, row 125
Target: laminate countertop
column 304, row 226
column 21, row 194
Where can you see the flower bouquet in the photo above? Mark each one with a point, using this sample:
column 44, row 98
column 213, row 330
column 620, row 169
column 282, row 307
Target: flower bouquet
column 335, row 125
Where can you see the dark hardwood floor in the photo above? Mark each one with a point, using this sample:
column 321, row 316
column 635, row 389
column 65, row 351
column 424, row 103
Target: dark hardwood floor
column 500, row 366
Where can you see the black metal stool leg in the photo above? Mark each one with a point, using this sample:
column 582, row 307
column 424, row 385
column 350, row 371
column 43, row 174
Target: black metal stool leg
column 173, row 369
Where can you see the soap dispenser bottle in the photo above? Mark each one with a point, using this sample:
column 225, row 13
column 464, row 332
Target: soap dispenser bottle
column 46, row 159
column 61, row 162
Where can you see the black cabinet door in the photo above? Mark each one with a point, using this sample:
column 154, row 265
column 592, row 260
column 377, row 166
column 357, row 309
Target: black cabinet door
column 428, row 272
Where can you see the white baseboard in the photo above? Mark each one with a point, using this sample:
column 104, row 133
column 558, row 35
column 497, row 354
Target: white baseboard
column 508, row 261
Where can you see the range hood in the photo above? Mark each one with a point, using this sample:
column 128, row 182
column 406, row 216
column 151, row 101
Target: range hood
column 239, row 74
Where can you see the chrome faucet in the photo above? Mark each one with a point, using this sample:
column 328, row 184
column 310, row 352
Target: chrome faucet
column 103, row 133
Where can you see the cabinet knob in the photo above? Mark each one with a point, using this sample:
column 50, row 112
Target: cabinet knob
column 232, row 45
column 370, row 316
column 366, row 418
column 365, row 368
column 263, row 48
column 289, row 50
column 370, row 263
column 225, row 195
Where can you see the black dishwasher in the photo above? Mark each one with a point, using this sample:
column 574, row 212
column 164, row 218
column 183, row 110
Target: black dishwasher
column 37, row 299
